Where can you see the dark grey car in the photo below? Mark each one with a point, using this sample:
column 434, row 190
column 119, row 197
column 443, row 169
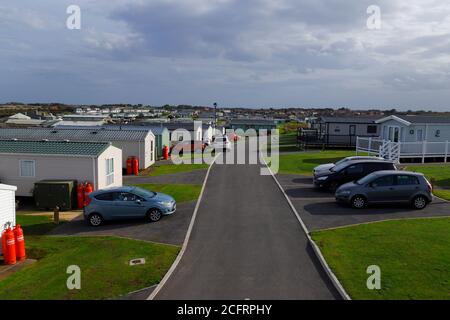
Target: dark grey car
column 387, row 187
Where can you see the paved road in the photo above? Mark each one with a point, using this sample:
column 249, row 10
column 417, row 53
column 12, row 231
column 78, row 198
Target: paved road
column 319, row 210
column 246, row 243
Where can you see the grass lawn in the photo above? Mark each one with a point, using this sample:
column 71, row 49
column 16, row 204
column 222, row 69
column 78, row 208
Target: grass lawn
column 413, row 255
column 180, row 192
column 440, row 174
column 304, row 162
column 443, row 194
column 162, row 169
column 105, row 272
column 34, row 225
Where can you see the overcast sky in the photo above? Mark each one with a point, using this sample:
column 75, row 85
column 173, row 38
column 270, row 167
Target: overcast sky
column 270, row 53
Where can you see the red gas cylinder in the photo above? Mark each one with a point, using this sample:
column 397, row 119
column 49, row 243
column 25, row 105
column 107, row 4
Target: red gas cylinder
column 135, row 166
column 9, row 246
column 88, row 189
column 129, row 166
column 80, row 196
column 20, row 243
column 165, row 152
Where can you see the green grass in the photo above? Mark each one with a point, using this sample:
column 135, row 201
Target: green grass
column 304, row 162
column 413, row 255
column 443, row 194
column 105, row 272
column 439, row 174
column 180, row 192
column 35, row 225
column 162, row 169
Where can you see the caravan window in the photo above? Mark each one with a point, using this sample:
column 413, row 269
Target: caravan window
column 27, row 168
column 109, row 171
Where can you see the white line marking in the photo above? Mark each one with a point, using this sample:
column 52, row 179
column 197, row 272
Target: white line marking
column 186, row 239
column 316, row 249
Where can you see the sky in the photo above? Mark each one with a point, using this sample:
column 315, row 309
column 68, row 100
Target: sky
column 252, row 53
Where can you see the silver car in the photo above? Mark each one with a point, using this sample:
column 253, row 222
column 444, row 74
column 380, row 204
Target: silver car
column 127, row 203
column 328, row 166
column 387, row 187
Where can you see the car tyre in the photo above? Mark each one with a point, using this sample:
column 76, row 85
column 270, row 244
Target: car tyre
column 154, row 215
column 95, row 220
column 419, row 202
column 358, row 202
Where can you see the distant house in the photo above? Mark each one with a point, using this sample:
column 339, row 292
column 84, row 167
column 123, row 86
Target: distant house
column 140, row 144
column 197, row 130
column 257, row 124
column 338, row 131
column 22, row 163
column 410, row 136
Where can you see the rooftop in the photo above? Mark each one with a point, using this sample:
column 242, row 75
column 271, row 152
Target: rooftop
column 93, row 135
column 53, row 147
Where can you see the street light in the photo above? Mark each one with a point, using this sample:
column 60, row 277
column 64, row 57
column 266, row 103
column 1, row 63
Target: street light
column 215, row 115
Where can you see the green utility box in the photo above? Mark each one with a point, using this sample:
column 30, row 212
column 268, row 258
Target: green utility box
column 49, row 194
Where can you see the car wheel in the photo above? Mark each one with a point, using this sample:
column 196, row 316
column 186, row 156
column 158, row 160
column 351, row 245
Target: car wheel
column 95, row 219
column 358, row 202
column 419, row 202
column 154, row 215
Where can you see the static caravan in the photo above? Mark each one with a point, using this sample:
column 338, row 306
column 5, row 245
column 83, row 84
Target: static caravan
column 7, row 207
column 22, row 163
column 140, row 144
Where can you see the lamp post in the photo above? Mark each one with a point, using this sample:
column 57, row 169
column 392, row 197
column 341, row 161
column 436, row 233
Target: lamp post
column 215, row 115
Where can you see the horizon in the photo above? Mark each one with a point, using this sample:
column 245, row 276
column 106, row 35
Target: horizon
column 254, row 54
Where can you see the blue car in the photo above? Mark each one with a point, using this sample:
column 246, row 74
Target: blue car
column 127, row 203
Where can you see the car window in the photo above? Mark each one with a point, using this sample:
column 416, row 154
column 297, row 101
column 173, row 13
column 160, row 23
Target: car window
column 371, row 167
column 354, row 169
column 126, row 196
column 385, row 181
column 105, row 196
column 405, row 180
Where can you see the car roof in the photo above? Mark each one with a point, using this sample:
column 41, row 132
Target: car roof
column 369, row 161
column 115, row 189
column 398, row 172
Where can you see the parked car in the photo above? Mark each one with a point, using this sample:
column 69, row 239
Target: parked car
column 127, row 203
column 387, row 187
column 190, row 146
column 328, row 166
column 349, row 171
column 221, row 143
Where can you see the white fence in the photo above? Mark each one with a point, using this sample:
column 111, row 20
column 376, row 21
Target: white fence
column 423, row 149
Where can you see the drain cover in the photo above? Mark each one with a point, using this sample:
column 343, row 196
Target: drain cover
column 136, row 262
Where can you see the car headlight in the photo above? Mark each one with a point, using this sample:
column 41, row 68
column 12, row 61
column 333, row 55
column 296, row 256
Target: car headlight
column 166, row 203
column 322, row 178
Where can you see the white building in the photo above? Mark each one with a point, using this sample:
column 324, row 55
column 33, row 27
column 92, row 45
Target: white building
column 22, row 163
column 7, row 207
column 140, row 144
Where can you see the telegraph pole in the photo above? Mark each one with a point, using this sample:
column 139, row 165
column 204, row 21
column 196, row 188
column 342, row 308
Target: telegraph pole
column 215, row 115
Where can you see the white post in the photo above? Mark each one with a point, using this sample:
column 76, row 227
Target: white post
column 446, row 151
column 357, row 144
column 370, row 146
column 424, row 149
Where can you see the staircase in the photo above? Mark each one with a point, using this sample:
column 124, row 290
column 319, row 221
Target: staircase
column 390, row 150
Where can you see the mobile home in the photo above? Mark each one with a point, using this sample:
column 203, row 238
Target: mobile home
column 22, row 163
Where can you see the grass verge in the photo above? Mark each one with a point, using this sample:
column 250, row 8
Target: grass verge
column 439, row 174
column 180, row 192
column 413, row 256
column 162, row 169
column 304, row 162
column 105, row 272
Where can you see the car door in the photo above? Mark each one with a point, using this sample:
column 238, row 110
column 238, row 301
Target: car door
column 129, row 205
column 353, row 172
column 382, row 189
column 106, row 204
column 406, row 186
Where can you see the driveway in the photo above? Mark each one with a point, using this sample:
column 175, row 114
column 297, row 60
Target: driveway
column 170, row 229
column 246, row 243
column 319, row 210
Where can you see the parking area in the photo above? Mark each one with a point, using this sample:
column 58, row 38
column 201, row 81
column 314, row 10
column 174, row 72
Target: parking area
column 319, row 210
column 169, row 230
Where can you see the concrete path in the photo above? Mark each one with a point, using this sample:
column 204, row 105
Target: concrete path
column 319, row 210
column 246, row 243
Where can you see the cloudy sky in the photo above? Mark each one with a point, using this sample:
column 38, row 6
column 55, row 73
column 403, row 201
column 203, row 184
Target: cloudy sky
column 271, row 53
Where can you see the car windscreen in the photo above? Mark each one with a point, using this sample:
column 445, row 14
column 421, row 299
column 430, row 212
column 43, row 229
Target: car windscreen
column 339, row 167
column 341, row 161
column 366, row 179
column 143, row 193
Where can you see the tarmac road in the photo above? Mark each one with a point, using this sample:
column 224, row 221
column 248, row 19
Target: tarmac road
column 246, row 244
